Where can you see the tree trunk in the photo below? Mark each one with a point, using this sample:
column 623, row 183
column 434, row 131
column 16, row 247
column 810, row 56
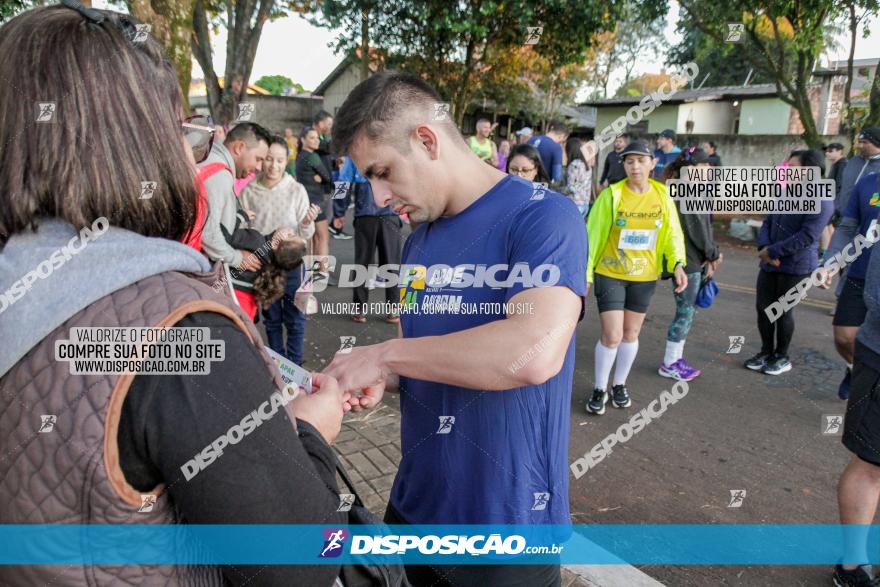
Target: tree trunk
column 874, row 101
column 241, row 48
column 365, row 44
column 171, row 23
column 847, row 101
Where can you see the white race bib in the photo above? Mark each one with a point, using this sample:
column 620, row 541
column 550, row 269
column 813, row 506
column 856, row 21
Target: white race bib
column 637, row 240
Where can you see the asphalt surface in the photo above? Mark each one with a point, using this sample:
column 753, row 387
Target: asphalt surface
column 735, row 429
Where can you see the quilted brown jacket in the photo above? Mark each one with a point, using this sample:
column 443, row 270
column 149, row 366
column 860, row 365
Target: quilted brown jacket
column 71, row 473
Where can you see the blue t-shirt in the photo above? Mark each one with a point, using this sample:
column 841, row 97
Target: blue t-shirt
column 504, row 458
column 664, row 159
column 551, row 155
column 864, row 206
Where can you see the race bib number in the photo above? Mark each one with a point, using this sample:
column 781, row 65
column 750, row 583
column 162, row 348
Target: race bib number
column 291, row 373
column 637, row 240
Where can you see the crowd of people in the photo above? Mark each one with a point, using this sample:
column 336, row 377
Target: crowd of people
column 222, row 241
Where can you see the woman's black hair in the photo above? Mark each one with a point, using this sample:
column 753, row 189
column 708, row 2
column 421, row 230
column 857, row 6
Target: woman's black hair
column 532, row 154
column 573, row 150
column 280, row 141
column 689, row 156
column 810, row 158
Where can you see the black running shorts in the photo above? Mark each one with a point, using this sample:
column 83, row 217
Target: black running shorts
column 851, row 308
column 619, row 294
column 861, row 425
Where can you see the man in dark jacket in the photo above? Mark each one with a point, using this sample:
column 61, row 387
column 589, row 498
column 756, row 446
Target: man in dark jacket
column 376, row 230
column 860, row 213
column 613, row 170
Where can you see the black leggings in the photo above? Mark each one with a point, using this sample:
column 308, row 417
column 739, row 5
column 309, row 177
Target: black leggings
column 771, row 287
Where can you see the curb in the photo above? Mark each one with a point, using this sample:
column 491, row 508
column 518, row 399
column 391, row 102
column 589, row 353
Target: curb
column 608, row 576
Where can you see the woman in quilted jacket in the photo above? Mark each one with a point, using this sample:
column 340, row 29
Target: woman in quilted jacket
column 96, row 191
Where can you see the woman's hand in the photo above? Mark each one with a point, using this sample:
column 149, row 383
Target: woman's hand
column 764, row 255
column 681, row 279
column 323, row 408
column 311, row 214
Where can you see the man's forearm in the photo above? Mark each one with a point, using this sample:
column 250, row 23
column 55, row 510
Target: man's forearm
column 499, row 355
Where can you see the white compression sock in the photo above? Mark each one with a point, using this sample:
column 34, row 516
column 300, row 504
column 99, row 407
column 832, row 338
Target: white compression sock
column 626, row 356
column 674, row 350
column 604, row 361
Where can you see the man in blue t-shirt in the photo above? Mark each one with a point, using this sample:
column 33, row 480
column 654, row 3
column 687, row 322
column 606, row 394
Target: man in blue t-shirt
column 492, row 286
column 666, row 151
column 862, row 208
column 549, row 146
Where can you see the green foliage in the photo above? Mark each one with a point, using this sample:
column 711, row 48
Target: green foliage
column 718, row 59
column 277, row 85
column 456, row 45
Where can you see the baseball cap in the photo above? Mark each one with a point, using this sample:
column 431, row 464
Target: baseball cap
column 870, row 133
column 668, row 133
column 833, row 147
column 637, row 148
column 524, row 131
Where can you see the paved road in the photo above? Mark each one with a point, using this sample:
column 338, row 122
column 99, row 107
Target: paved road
column 735, row 429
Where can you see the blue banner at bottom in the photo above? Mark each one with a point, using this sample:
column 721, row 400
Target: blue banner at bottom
column 658, row 544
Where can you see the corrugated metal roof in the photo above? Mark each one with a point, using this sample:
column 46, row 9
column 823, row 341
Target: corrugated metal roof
column 715, row 93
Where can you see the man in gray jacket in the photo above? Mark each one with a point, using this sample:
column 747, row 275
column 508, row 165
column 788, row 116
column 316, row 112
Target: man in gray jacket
column 867, row 161
column 241, row 154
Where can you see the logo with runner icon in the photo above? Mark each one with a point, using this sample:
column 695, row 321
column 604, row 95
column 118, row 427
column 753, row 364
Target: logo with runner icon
column 334, row 541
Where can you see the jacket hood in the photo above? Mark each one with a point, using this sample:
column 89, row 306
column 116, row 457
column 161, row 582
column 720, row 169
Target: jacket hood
column 49, row 275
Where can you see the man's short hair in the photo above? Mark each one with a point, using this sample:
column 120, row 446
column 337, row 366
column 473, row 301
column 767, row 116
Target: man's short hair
column 624, row 135
column 249, row 132
column 557, row 126
column 321, row 116
column 376, row 109
column 482, row 120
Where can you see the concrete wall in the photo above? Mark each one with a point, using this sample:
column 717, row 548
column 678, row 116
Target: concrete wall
column 764, row 116
column 664, row 117
column 338, row 91
column 763, row 150
column 709, row 117
column 279, row 112
column 661, row 118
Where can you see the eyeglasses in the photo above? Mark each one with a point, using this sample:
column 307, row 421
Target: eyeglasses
column 199, row 134
column 521, row 171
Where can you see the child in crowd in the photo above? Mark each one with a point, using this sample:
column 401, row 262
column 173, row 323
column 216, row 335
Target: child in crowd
column 280, row 251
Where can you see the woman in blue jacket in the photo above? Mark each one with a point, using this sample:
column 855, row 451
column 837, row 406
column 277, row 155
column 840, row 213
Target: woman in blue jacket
column 788, row 246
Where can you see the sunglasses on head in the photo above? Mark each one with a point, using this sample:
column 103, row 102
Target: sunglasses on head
column 199, row 134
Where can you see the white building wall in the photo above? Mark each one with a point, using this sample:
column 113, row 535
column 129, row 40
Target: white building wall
column 715, row 117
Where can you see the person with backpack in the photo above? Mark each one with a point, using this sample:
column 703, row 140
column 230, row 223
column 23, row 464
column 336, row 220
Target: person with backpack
column 703, row 258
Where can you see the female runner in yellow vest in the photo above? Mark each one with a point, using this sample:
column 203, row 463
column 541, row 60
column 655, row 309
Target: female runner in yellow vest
column 631, row 226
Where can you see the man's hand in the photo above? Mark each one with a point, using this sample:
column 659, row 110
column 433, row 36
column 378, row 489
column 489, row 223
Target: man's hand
column 361, row 372
column 250, row 215
column 338, row 223
column 311, row 214
column 681, row 279
column 249, row 261
column 323, row 408
column 317, row 178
